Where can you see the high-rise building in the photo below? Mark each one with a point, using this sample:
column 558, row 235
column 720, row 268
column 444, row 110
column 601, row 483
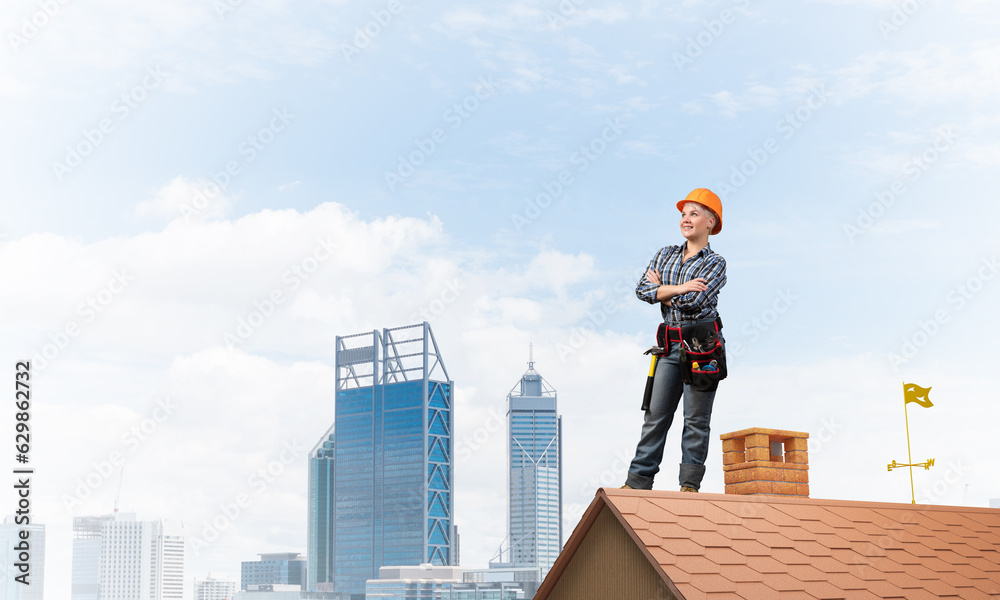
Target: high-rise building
column 116, row 557
column 534, row 473
column 12, row 544
column 385, row 497
column 320, row 498
column 214, row 588
column 286, row 568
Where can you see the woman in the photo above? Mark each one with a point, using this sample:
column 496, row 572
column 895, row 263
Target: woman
column 685, row 280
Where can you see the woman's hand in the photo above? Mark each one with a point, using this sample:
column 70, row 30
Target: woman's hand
column 653, row 277
column 699, row 284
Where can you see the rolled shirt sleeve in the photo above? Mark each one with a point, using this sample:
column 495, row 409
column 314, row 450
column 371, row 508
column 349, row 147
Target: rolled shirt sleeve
column 645, row 290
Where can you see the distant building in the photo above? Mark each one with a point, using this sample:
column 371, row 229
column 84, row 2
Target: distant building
column 215, row 588
column 277, row 591
column 282, row 568
column 10, row 538
column 534, row 474
column 389, row 468
column 321, row 510
column 429, row 582
column 116, row 557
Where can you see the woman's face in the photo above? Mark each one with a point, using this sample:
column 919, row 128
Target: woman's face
column 696, row 220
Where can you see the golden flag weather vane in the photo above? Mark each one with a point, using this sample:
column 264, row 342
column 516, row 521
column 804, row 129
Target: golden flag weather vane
column 920, row 396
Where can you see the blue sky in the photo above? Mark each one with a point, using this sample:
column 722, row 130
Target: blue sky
column 855, row 145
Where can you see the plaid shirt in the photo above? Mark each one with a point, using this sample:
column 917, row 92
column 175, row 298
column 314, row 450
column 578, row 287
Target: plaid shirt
column 692, row 306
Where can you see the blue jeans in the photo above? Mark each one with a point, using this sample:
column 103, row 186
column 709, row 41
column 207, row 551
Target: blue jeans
column 668, row 387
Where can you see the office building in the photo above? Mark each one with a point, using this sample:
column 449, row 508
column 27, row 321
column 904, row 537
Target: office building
column 116, row 557
column 214, row 588
column 283, row 568
column 320, row 498
column 12, row 543
column 381, row 492
column 534, row 474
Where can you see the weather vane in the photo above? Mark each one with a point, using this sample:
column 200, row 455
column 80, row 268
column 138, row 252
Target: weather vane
column 918, row 395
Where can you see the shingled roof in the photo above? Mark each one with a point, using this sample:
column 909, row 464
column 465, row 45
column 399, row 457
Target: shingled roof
column 669, row 545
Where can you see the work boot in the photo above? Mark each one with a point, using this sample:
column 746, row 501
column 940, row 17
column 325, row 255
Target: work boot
column 687, row 488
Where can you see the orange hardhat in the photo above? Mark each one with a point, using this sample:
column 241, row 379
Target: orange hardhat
column 706, row 197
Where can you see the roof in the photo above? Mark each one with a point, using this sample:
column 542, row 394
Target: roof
column 730, row 547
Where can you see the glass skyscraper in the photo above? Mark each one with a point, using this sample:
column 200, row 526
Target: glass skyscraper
column 534, row 473
column 380, row 489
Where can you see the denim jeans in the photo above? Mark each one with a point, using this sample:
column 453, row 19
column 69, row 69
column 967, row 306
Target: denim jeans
column 668, row 388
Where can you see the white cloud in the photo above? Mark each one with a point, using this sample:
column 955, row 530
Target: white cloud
column 199, row 199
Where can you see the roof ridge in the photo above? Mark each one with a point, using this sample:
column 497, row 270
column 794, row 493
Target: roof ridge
column 610, row 493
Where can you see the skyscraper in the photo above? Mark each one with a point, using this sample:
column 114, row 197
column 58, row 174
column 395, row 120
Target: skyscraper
column 10, row 558
column 534, row 473
column 381, row 494
column 320, row 544
column 116, row 557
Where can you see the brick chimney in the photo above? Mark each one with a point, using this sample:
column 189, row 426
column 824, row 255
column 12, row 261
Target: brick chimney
column 766, row 462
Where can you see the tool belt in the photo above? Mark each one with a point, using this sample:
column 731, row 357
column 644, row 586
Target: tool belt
column 703, row 357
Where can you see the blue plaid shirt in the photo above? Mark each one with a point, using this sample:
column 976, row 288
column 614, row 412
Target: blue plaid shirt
column 692, row 306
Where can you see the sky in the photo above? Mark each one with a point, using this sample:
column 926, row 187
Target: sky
column 198, row 197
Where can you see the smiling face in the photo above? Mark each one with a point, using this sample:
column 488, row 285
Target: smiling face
column 696, row 221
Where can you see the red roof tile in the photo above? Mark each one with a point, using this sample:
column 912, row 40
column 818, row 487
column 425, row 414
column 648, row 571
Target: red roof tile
column 726, row 547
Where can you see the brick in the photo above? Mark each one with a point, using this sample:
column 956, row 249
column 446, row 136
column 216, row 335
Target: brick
column 795, row 475
column 757, row 453
column 777, row 458
column 736, row 476
column 749, row 487
column 797, row 457
column 758, row 440
column 759, row 487
column 803, row 489
column 733, row 445
column 765, row 474
column 796, row 445
column 785, row 488
column 733, row 458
